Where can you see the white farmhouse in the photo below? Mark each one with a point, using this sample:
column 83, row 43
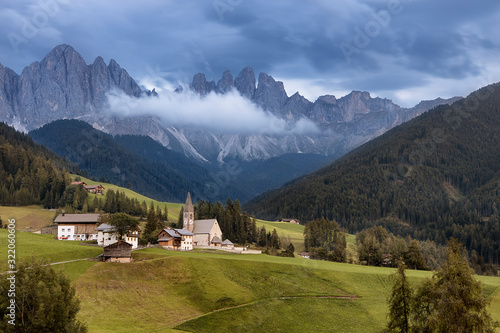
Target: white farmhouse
column 77, row 227
column 106, row 235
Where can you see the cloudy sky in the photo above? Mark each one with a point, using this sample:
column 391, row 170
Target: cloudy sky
column 405, row 50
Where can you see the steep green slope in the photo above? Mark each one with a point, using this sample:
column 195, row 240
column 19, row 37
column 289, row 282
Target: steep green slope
column 433, row 178
column 100, row 156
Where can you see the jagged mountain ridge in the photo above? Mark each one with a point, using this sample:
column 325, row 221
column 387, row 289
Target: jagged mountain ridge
column 63, row 86
column 434, row 177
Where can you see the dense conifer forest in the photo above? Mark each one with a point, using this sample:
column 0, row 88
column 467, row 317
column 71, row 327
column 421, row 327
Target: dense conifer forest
column 435, row 177
column 30, row 173
column 105, row 159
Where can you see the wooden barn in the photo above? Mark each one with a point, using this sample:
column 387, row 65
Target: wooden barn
column 295, row 221
column 96, row 189
column 120, row 251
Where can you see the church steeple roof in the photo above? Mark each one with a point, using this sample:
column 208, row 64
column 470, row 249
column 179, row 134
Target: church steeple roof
column 188, row 207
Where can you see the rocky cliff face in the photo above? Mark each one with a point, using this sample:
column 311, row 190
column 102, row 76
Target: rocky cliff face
column 60, row 86
column 63, row 86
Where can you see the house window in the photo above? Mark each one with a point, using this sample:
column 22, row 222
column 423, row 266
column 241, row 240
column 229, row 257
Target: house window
column 63, row 230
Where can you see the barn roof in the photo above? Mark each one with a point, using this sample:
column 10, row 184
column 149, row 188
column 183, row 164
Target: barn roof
column 203, row 226
column 77, row 218
column 164, row 239
column 91, row 187
column 118, row 244
column 216, row 240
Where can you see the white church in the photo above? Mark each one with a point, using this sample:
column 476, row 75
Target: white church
column 206, row 232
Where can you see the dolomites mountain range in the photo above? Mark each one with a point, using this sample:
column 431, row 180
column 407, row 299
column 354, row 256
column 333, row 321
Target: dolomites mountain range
column 63, row 86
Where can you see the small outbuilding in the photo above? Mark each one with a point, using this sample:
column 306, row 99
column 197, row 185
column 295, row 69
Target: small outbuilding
column 216, row 241
column 227, row 244
column 120, row 251
column 295, row 221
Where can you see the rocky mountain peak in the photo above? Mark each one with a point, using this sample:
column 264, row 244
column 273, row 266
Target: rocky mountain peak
column 296, row 107
column 245, row 82
column 226, row 83
column 122, row 80
column 62, row 56
column 99, row 63
column 330, row 99
column 270, row 94
column 200, row 84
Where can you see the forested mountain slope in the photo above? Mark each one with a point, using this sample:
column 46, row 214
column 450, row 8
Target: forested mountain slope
column 29, row 173
column 434, row 177
column 101, row 157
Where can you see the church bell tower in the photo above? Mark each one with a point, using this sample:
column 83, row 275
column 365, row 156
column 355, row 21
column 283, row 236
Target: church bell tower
column 188, row 214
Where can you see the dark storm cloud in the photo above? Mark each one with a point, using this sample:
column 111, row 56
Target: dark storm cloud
column 338, row 45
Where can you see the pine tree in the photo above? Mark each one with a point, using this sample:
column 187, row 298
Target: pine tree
column 180, row 219
column 165, row 213
column 459, row 305
column 414, row 257
column 400, row 302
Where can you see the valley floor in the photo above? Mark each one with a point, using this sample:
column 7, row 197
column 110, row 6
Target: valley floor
column 215, row 291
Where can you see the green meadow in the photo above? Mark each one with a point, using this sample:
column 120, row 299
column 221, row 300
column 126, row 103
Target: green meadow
column 216, row 291
column 197, row 291
column 173, row 208
column 294, row 231
column 27, row 217
column 30, row 245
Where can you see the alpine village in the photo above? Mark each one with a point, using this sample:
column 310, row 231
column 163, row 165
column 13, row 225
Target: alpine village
column 122, row 224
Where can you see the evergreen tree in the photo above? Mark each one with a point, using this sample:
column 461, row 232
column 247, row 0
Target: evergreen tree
column 414, row 257
column 400, row 302
column 458, row 305
column 262, row 239
column 180, row 219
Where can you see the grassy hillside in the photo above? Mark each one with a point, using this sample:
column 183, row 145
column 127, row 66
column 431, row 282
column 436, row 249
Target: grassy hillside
column 165, row 291
column 27, row 217
column 218, row 292
column 45, row 246
column 295, row 231
column 173, row 208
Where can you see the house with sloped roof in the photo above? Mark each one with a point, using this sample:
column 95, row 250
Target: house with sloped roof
column 120, row 251
column 106, row 235
column 77, row 227
column 176, row 239
column 96, row 189
column 205, row 232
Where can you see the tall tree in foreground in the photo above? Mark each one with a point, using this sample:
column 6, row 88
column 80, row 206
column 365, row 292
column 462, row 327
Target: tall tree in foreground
column 45, row 301
column 400, row 302
column 458, row 305
column 451, row 301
